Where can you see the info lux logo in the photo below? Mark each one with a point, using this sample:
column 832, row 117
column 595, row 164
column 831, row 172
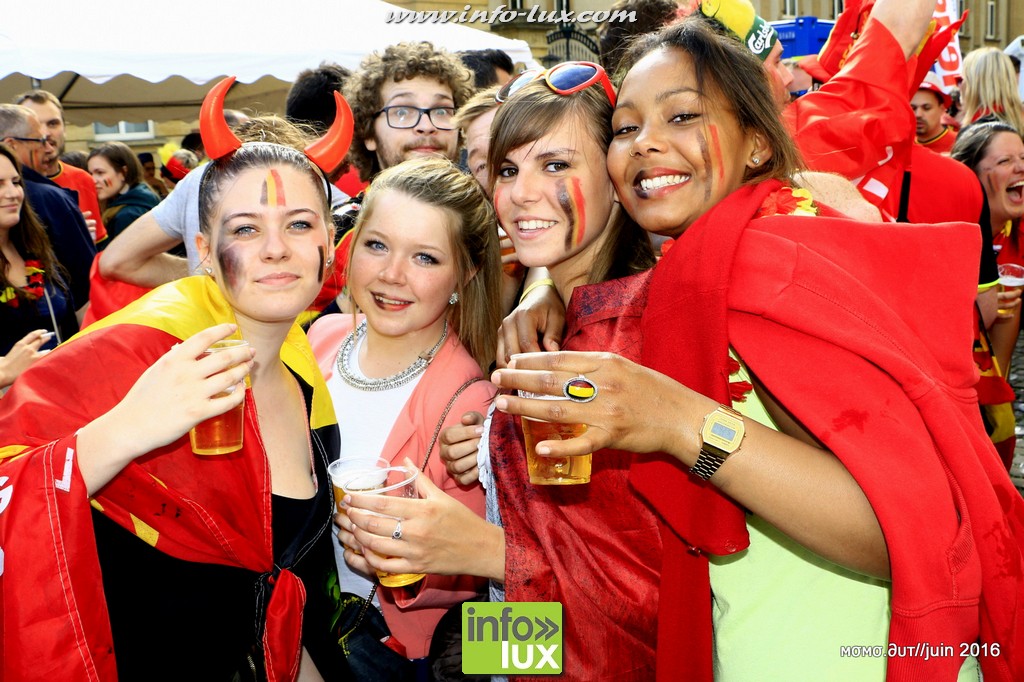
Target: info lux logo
column 512, row 637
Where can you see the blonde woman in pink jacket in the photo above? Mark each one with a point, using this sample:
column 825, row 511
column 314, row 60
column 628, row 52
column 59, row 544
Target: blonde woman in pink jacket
column 423, row 276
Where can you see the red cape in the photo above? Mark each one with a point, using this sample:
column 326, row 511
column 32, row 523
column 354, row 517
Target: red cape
column 210, row 509
column 847, row 326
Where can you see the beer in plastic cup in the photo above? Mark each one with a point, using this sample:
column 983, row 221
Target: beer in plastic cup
column 553, row 470
column 350, row 469
column 221, row 434
column 398, row 481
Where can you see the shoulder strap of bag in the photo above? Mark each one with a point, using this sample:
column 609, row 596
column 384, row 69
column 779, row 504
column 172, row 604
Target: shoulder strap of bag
column 430, row 448
column 444, row 415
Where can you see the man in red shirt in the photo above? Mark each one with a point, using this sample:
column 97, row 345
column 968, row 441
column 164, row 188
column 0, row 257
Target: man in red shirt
column 929, row 103
column 51, row 114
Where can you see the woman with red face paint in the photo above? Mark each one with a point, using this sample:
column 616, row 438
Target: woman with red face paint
column 811, row 398
column 120, row 185
column 994, row 150
column 423, row 275
column 590, row 547
column 127, row 554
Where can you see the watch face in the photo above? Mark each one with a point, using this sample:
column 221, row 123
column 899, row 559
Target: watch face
column 722, row 431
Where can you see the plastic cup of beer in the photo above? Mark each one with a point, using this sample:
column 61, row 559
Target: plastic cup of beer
column 1011, row 276
column 553, row 470
column 221, row 434
column 352, row 467
column 398, row 482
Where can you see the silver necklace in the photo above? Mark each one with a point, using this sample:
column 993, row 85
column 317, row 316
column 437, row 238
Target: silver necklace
column 387, row 383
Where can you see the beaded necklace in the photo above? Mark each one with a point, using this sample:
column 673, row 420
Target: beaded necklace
column 386, row 383
column 33, row 286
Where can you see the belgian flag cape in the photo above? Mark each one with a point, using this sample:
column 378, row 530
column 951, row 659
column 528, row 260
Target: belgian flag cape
column 53, row 614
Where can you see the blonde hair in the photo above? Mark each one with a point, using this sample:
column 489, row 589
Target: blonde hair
column 477, row 105
column 473, row 237
column 990, row 87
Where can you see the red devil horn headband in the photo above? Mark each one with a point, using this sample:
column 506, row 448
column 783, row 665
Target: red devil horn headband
column 219, row 140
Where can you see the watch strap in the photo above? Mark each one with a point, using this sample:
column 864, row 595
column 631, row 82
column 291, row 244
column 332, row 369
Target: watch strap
column 706, row 465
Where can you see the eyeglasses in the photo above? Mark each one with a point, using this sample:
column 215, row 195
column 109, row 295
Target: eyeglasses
column 40, row 140
column 565, row 79
column 402, row 116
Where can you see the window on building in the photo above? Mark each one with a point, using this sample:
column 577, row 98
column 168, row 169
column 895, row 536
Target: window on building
column 791, row 8
column 990, row 20
column 966, row 6
column 124, row 130
column 837, row 8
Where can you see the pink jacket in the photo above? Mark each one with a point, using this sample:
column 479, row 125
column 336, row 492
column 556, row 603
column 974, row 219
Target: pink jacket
column 412, row 612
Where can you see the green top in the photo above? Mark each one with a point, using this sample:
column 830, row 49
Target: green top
column 780, row 612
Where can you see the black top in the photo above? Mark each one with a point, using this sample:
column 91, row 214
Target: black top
column 180, row 620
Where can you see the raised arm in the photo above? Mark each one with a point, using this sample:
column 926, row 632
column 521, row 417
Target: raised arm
column 138, row 255
column 907, row 20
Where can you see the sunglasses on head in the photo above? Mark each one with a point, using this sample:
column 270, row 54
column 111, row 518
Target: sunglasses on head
column 565, row 79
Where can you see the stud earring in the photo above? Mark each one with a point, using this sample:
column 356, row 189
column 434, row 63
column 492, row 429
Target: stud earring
column 208, row 271
column 755, row 160
column 330, row 261
column 454, row 298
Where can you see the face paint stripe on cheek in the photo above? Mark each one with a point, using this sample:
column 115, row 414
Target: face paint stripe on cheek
column 579, row 204
column 230, row 266
column 706, row 157
column 716, row 149
column 323, row 264
column 567, row 209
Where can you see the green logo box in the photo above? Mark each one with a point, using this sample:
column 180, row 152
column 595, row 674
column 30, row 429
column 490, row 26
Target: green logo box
column 521, row 638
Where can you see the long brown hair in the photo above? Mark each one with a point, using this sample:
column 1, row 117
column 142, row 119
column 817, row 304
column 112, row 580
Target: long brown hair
column 30, row 240
column 536, row 110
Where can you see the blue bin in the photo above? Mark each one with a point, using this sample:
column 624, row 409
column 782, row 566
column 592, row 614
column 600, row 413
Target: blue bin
column 803, row 35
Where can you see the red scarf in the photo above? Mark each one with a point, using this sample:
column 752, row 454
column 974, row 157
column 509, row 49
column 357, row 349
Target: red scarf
column 686, row 309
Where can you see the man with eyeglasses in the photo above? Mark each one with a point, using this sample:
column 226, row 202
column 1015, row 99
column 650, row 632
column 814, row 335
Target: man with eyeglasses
column 51, row 116
column 55, row 206
column 403, row 104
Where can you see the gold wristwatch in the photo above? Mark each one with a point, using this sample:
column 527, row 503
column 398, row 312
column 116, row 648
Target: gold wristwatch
column 721, row 435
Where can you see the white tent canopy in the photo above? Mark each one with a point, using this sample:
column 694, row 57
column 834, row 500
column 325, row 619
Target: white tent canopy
column 122, row 65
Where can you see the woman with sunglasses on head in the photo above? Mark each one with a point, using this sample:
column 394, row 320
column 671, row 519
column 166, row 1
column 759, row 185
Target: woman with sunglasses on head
column 142, row 558
column 822, row 455
column 594, row 548
column 423, row 274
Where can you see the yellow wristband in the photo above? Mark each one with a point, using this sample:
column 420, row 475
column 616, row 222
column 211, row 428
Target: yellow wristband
column 546, row 282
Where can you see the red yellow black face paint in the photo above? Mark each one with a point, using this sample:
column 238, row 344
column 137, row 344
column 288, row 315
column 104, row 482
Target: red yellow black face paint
column 272, row 194
column 107, row 183
column 716, row 151
column 706, row 157
column 230, row 265
column 573, row 206
column 323, row 264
